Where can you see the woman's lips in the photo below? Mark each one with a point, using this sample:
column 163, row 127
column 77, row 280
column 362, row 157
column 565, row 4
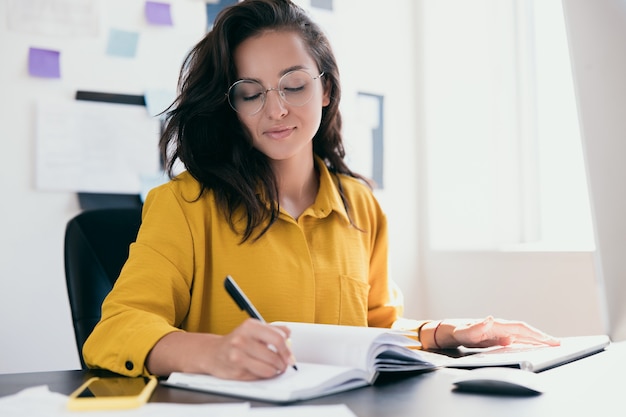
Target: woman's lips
column 279, row 132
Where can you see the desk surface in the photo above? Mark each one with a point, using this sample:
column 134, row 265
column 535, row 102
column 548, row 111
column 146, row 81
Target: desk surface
column 590, row 386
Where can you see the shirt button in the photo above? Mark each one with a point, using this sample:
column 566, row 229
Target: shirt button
column 129, row 365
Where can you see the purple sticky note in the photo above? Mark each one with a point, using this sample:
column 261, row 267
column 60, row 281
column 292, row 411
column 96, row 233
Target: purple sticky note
column 158, row 13
column 44, row 63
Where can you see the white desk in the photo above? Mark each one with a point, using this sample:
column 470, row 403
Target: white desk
column 590, row 387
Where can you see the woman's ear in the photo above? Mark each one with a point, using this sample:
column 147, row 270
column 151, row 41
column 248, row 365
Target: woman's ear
column 326, row 97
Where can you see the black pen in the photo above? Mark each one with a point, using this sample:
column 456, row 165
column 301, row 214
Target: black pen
column 244, row 303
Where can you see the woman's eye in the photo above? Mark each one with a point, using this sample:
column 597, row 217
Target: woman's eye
column 295, row 89
column 252, row 97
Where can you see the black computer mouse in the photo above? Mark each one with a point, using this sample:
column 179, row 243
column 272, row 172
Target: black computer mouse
column 499, row 380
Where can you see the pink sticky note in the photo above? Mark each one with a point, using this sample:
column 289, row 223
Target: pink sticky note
column 158, row 13
column 44, row 63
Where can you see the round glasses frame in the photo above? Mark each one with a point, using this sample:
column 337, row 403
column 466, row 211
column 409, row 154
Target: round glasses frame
column 248, row 96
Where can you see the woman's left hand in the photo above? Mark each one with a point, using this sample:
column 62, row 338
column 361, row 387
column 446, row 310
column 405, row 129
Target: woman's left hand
column 492, row 332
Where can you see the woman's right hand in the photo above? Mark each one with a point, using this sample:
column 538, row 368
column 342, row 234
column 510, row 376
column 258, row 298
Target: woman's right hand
column 254, row 350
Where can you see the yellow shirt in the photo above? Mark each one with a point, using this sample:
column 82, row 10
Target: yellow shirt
column 318, row 269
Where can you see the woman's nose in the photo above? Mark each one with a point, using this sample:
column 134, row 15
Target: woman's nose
column 275, row 106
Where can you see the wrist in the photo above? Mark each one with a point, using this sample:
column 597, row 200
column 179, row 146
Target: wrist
column 438, row 334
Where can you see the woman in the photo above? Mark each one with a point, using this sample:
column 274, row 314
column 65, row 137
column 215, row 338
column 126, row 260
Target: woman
column 267, row 198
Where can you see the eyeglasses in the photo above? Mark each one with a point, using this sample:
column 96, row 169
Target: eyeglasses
column 295, row 88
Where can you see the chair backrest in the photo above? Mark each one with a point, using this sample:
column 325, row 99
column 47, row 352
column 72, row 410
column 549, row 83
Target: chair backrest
column 96, row 248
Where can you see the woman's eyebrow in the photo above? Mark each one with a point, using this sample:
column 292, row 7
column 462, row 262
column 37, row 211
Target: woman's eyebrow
column 281, row 73
column 293, row 68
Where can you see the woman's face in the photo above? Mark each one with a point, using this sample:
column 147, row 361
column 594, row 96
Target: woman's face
column 280, row 130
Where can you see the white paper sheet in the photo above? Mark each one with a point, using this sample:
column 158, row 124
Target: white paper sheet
column 76, row 18
column 94, row 147
column 39, row 401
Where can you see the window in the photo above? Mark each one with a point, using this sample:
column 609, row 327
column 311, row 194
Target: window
column 505, row 163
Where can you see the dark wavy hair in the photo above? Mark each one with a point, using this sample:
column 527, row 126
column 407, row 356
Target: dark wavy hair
column 204, row 133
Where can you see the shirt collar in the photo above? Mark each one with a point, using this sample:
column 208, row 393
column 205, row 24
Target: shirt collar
column 328, row 197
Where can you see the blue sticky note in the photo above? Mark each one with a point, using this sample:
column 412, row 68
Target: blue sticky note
column 44, row 63
column 122, row 43
column 212, row 9
column 158, row 13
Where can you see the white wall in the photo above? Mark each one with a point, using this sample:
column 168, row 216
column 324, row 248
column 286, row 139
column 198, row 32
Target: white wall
column 378, row 52
column 35, row 321
column 34, row 314
column 554, row 290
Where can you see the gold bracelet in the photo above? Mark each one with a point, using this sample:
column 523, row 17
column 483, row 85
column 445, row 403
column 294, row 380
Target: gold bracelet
column 419, row 330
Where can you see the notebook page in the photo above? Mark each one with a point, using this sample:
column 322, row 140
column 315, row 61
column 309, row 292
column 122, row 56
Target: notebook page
column 332, row 344
column 309, row 381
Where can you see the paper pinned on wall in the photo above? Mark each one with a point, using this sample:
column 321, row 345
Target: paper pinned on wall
column 370, row 115
column 84, row 146
column 159, row 100
column 44, row 63
column 122, row 43
column 365, row 142
column 54, row 17
column 158, row 13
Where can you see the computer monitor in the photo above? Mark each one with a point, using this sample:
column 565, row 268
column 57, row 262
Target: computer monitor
column 596, row 33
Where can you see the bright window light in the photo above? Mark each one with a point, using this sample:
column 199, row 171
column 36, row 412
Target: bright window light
column 505, row 164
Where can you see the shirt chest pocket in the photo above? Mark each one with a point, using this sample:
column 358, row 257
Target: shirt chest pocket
column 353, row 300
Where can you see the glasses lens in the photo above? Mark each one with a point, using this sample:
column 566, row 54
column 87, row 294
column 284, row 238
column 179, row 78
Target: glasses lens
column 246, row 96
column 296, row 87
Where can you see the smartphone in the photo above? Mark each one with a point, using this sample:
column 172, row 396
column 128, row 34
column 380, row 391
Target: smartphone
column 112, row 393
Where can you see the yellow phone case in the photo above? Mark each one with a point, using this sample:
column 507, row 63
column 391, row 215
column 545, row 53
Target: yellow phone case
column 112, row 393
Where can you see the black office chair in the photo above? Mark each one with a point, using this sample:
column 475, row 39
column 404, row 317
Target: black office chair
column 96, row 247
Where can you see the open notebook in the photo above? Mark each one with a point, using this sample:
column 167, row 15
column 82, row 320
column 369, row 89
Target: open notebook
column 334, row 358
column 330, row 359
column 530, row 357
